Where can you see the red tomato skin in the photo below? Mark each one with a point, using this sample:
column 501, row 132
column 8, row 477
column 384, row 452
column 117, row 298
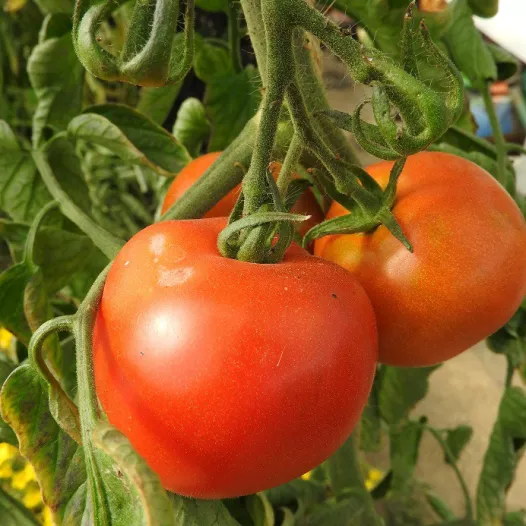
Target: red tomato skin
column 467, row 275
column 230, row 377
column 306, row 204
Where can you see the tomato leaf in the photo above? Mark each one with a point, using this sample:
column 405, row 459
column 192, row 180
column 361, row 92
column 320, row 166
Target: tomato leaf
column 404, row 446
column 13, row 283
column 231, row 102
column 400, row 389
column 260, row 510
column 211, row 61
column 457, row 439
column 500, row 461
column 439, row 506
column 55, row 74
column 6, row 433
column 467, row 47
column 156, row 103
column 348, row 512
column 14, row 513
column 191, row 126
column 131, row 136
column 507, row 64
column 56, row 458
column 371, row 423
column 298, row 494
column 125, row 473
column 193, row 512
column 22, row 192
column 212, row 5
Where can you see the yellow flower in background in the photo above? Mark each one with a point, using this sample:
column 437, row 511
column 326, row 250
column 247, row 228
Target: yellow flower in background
column 18, row 478
column 5, row 338
column 7, row 341
column 374, row 477
column 46, row 518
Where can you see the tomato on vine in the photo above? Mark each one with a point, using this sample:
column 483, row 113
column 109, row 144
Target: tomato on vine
column 306, row 204
column 467, row 274
column 230, row 377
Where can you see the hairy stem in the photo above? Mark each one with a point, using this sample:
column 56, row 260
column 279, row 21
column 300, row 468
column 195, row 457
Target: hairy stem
column 234, row 37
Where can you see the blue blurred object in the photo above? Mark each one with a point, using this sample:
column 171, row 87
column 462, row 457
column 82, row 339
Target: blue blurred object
column 504, row 110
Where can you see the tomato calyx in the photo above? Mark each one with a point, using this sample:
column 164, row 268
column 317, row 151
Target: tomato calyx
column 362, row 218
column 405, row 90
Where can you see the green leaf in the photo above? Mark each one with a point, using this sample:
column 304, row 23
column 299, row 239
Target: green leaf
column 348, row 512
column 456, row 440
column 507, row 64
column 59, row 253
column 13, row 283
column 214, row 6
column 298, row 492
column 510, row 340
column 404, row 447
column 22, row 192
column 193, row 512
column 14, row 513
column 56, row 458
column 211, row 62
column 55, row 6
column 439, row 506
column 131, row 136
column 467, row 47
column 400, row 389
column 6, row 433
column 56, row 76
column 260, row 510
column 126, row 475
column 501, row 458
column 485, row 8
column 515, row 518
column 371, row 423
column 231, row 101
column 191, row 127
column 156, row 103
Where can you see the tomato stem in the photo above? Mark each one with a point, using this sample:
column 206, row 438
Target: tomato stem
column 234, row 37
column 500, row 142
column 451, row 459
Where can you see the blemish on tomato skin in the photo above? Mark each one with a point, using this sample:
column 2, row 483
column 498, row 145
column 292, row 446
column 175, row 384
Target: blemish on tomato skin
column 157, row 244
column 170, row 277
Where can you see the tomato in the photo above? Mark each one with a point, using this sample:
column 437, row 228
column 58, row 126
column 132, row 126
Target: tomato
column 230, row 377
column 306, row 204
column 467, row 275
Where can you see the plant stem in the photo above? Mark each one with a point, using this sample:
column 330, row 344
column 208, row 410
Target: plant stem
column 292, row 158
column 345, row 474
column 310, row 83
column 510, row 370
column 346, row 182
column 500, row 143
column 452, row 461
column 234, row 37
column 279, row 74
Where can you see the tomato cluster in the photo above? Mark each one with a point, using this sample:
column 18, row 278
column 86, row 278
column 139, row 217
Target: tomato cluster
column 214, row 368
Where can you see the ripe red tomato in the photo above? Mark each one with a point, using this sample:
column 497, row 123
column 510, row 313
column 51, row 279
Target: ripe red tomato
column 306, row 204
column 467, row 275
column 230, row 377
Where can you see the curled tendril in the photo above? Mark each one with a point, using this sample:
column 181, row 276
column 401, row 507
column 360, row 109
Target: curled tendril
column 151, row 52
column 425, row 114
